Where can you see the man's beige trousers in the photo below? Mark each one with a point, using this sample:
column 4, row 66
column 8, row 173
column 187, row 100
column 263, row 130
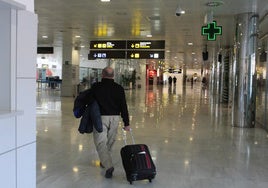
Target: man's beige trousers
column 104, row 141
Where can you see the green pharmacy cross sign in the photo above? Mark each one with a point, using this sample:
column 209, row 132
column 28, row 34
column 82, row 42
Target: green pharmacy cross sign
column 211, row 30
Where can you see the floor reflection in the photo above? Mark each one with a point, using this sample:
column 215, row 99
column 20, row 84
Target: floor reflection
column 187, row 131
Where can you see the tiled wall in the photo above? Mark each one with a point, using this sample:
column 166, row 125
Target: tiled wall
column 18, row 124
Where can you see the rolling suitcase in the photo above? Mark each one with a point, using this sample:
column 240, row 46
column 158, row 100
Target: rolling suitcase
column 137, row 161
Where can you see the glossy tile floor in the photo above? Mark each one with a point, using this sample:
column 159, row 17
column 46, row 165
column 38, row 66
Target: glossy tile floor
column 189, row 136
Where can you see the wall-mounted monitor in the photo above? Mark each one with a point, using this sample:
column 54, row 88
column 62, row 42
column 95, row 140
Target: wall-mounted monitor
column 205, row 56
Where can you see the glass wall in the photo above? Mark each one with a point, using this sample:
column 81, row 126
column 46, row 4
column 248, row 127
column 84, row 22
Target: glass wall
column 265, row 122
column 88, row 76
column 128, row 72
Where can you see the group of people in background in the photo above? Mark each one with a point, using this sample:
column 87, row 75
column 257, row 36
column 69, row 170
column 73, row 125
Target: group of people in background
column 170, row 80
column 193, row 79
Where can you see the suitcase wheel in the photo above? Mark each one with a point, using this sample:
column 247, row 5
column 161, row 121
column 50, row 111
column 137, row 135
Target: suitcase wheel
column 150, row 180
column 130, row 182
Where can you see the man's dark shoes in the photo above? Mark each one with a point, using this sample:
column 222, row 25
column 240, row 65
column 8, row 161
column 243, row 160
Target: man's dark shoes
column 109, row 172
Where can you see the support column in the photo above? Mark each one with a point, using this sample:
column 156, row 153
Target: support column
column 215, row 77
column 184, row 71
column 70, row 71
column 244, row 71
column 266, row 91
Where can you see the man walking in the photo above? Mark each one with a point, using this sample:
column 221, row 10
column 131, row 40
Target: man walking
column 112, row 102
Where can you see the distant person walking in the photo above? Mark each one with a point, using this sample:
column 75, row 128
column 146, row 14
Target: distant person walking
column 192, row 81
column 204, row 81
column 170, row 80
column 174, row 80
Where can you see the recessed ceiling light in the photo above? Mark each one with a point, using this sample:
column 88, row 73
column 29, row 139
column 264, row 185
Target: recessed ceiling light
column 44, row 37
column 182, row 12
column 105, row 0
column 214, row 3
column 190, row 43
column 77, row 36
column 148, row 36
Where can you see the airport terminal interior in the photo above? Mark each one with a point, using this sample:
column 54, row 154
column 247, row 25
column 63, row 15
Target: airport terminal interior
column 192, row 127
column 194, row 74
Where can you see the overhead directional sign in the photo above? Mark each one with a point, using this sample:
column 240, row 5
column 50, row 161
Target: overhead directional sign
column 112, row 44
column 211, row 30
column 139, row 54
column 139, row 44
column 121, row 49
column 107, row 54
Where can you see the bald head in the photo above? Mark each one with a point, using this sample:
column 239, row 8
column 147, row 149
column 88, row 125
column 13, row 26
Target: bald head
column 108, row 72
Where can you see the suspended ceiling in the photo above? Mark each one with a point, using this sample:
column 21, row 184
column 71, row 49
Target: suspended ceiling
column 62, row 21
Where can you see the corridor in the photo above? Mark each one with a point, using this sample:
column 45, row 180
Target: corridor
column 189, row 135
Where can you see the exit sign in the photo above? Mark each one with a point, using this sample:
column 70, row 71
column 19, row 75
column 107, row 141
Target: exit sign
column 211, row 30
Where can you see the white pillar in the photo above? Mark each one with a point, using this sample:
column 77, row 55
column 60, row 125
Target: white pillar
column 70, row 70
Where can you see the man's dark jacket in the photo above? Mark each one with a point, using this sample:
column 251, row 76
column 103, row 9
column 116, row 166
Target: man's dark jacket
column 91, row 118
column 111, row 99
column 89, row 113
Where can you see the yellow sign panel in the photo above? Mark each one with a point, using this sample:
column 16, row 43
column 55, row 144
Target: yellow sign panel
column 104, row 45
column 137, row 55
column 137, row 45
column 108, row 44
column 141, row 45
column 151, row 44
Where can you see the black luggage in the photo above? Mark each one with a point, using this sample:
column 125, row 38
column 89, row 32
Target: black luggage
column 137, row 162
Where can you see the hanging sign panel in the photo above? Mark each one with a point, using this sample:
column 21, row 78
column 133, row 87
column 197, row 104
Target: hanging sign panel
column 140, row 44
column 136, row 54
column 131, row 45
column 107, row 54
column 121, row 49
column 45, row 50
column 112, row 44
column 211, row 30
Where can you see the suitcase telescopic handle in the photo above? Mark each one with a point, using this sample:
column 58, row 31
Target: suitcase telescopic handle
column 125, row 136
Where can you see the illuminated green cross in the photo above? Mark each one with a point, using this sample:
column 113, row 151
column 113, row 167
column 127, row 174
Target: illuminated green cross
column 211, row 30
